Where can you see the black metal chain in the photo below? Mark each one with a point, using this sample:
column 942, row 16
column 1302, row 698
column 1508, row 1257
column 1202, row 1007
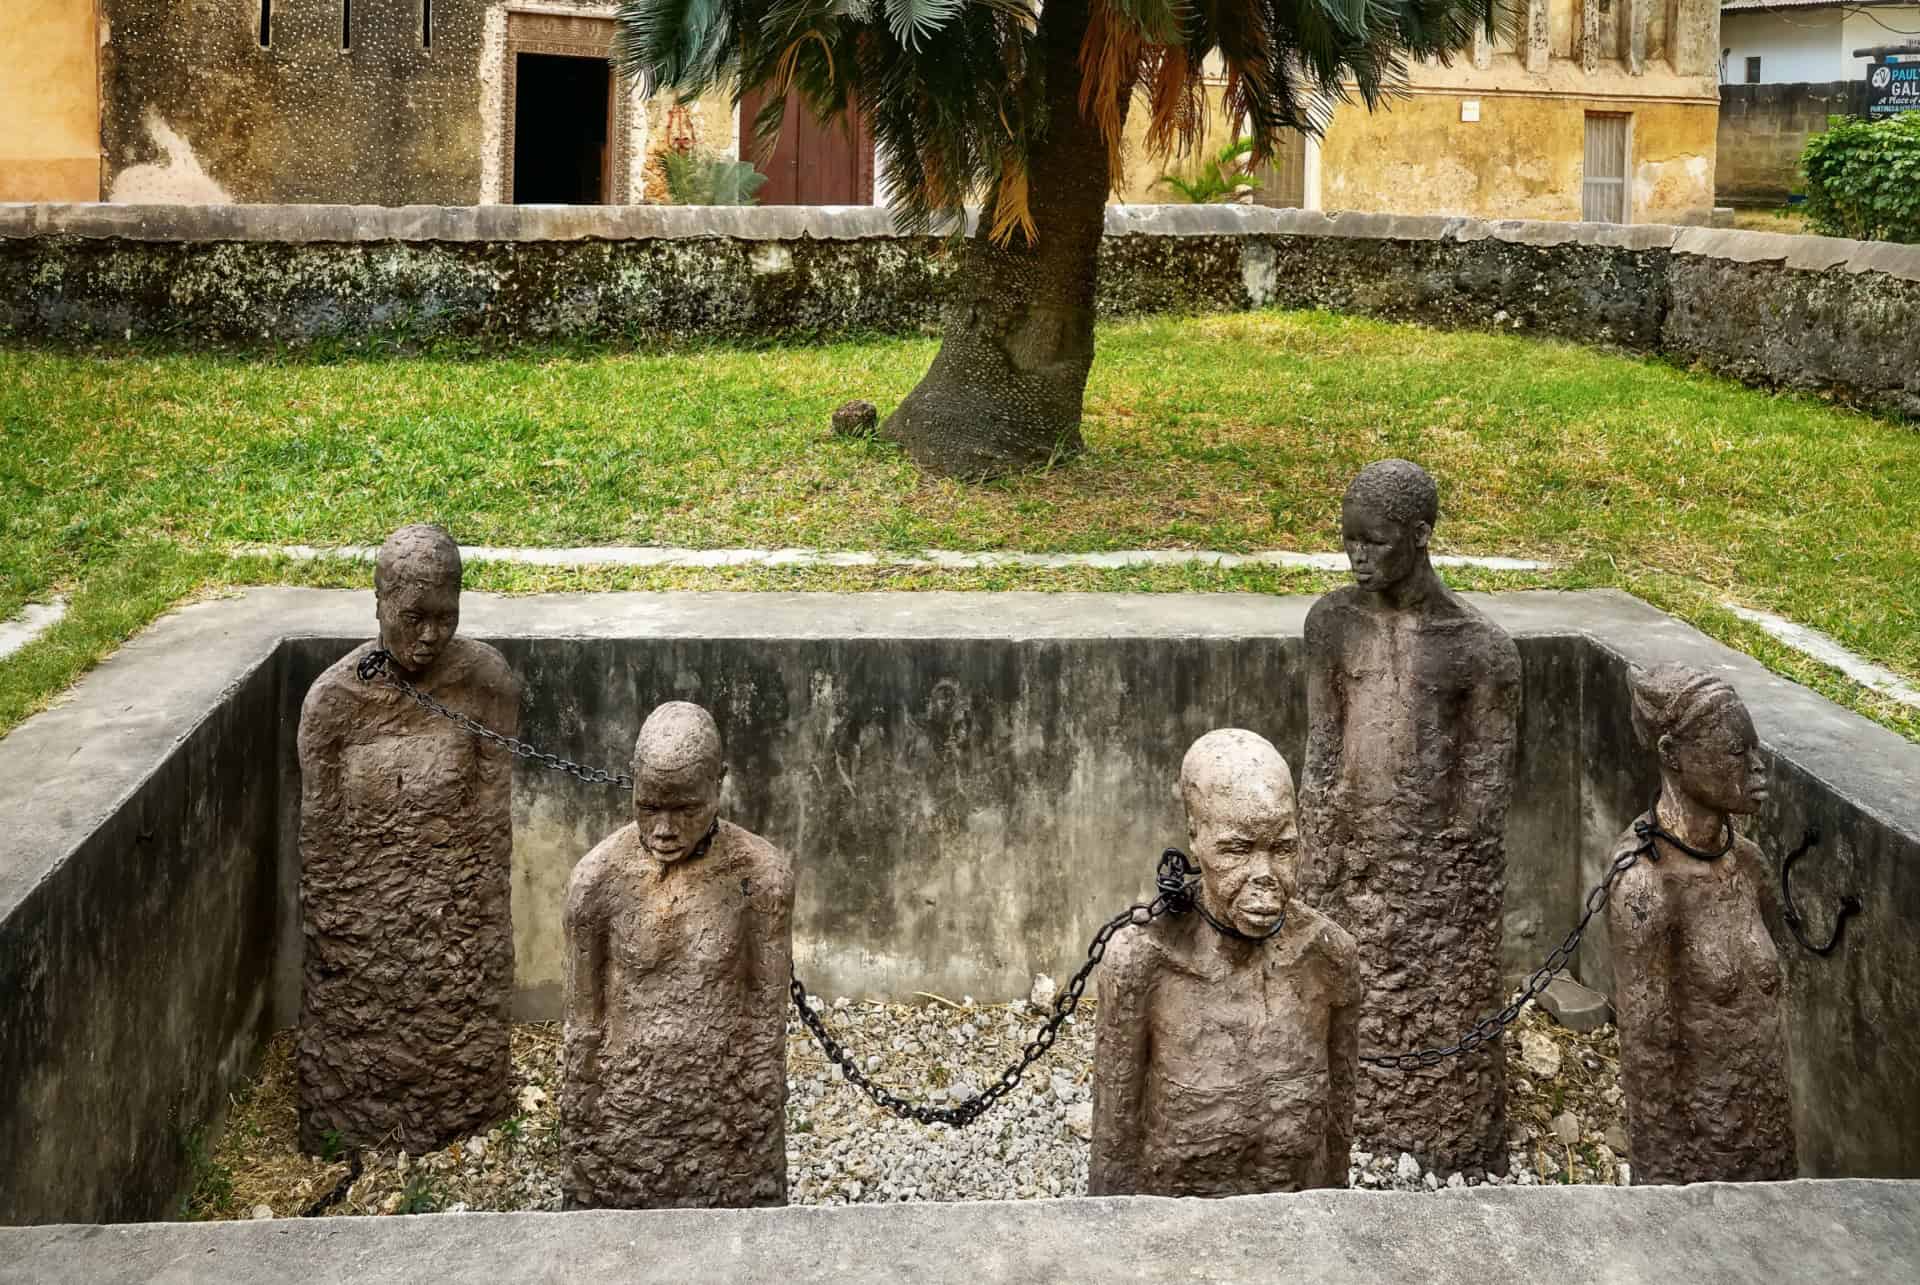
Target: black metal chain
column 1650, row 833
column 377, row 665
column 1176, row 885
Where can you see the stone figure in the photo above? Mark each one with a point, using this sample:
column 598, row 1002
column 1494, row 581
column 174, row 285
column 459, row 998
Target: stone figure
column 1413, row 702
column 679, row 948
column 1224, row 1050
column 406, row 845
column 1698, row 989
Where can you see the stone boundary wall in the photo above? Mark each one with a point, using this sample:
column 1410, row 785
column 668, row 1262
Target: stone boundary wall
column 1820, row 314
column 1764, row 129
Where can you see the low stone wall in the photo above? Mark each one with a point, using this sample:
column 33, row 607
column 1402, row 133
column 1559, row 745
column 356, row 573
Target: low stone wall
column 1763, row 131
column 1832, row 316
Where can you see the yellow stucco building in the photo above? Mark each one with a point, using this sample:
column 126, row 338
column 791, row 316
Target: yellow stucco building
column 1602, row 109
column 49, row 101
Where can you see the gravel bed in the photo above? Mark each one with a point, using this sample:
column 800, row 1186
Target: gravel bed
column 1564, row 1121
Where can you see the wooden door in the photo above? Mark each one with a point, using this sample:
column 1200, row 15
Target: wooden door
column 812, row 164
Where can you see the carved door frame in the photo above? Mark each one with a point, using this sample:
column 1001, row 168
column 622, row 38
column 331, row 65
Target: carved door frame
column 566, row 35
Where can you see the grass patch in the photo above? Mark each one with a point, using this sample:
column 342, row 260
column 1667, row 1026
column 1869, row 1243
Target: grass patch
column 128, row 478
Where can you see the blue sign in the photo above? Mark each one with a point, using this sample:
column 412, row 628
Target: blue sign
column 1893, row 87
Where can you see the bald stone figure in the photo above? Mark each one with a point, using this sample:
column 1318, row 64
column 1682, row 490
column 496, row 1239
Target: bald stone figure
column 679, row 947
column 1224, row 1051
column 406, row 846
column 1697, row 981
column 1413, row 701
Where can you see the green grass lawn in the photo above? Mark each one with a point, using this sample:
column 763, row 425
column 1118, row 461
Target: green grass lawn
column 128, row 480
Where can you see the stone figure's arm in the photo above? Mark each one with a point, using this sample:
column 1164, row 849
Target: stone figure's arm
column 324, row 717
column 772, row 949
column 499, row 706
column 1326, row 711
column 584, row 990
column 1120, row 1052
column 1343, row 1064
column 1640, row 925
column 1490, row 736
column 1766, row 888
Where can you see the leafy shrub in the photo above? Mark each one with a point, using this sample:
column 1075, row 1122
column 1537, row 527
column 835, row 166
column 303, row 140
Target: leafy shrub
column 1223, row 178
column 1863, row 179
column 699, row 177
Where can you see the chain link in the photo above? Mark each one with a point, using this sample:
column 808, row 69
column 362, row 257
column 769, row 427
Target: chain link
column 1176, row 883
column 377, row 665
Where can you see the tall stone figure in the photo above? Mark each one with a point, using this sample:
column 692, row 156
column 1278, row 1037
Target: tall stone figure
column 1697, row 981
column 1224, row 1052
column 1413, row 706
column 679, row 934
column 406, row 845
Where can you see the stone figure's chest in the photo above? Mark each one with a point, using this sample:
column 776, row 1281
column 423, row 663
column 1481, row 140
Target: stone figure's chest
column 1404, row 671
column 1227, row 1035
column 682, row 925
column 409, row 764
column 1725, row 946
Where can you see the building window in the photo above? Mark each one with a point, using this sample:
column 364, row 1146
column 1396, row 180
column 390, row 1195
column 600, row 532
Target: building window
column 266, row 24
column 426, row 24
column 1753, row 71
column 346, row 24
column 1603, row 184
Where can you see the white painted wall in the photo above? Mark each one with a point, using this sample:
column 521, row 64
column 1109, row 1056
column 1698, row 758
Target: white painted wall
column 1869, row 27
column 1810, row 46
column 1799, row 47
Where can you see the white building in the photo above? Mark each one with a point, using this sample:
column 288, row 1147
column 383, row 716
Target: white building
column 1807, row 42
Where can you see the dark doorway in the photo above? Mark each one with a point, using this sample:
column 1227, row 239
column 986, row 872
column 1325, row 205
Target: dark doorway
column 813, row 164
column 561, row 107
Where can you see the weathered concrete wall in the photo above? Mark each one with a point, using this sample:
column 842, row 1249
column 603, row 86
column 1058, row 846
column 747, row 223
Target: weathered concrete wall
column 1817, row 313
column 967, row 794
column 1764, row 129
column 1710, row 1234
column 49, row 101
column 137, row 872
column 1524, row 157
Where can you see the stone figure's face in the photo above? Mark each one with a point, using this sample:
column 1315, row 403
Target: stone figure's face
column 1383, row 552
column 674, row 809
column 1719, row 762
column 416, row 622
column 1249, row 851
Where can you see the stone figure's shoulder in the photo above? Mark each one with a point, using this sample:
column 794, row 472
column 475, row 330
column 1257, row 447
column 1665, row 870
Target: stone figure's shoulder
column 758, row 859
column 1138, row 952
column 1331, row 612
column 1493, row 644
column 337, row 692
column 1326, row 941
column 1638, row 900
column 480, row 666
column 592, row 870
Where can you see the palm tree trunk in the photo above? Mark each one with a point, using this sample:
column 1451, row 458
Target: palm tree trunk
column 1004, row 393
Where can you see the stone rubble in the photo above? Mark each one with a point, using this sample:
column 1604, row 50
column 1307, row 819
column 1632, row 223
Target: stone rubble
column 842, row 1150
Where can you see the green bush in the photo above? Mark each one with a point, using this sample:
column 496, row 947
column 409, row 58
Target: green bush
column 1863, row 179
column 1224, row 178
column 700, row 177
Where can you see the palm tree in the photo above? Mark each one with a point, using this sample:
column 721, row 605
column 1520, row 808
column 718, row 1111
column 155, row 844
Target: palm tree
column 1021, row 106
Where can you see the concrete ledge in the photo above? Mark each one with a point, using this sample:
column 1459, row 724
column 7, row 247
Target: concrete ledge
column 299, row 224
column 1704, row 1235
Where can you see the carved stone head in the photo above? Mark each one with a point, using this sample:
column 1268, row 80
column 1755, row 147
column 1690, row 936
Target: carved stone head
column 416, row 589
column 1242, row 827
column 1703, row 735
column 678, row 769
column 1386, row 521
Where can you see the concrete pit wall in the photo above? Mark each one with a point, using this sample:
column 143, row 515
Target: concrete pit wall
column 1820, row 314
column 968, row 788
